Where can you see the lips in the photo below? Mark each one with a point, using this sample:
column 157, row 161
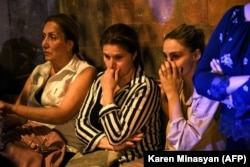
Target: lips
column 46, row 53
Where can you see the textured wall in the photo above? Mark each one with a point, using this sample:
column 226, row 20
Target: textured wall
column 21, row 23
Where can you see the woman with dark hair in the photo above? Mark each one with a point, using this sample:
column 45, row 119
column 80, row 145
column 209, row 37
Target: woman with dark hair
column 54, row 92
column 121, row 111
column 192, row 122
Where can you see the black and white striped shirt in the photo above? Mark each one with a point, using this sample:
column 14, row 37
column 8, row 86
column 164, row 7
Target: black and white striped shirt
column 136, row 110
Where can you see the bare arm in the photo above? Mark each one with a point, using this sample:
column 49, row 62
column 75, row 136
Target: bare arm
column 69, row 106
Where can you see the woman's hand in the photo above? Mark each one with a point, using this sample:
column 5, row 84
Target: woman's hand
column 109, row 79
column 2, row 105
column 10, row 119
column 109, row 82
column 129, row 143
column 1, row 111
column 216, row 68
column 3, row 108
column 171, row 78
column 1, row 115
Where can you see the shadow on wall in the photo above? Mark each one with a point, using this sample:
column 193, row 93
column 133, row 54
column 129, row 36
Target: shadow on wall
column 17, row 60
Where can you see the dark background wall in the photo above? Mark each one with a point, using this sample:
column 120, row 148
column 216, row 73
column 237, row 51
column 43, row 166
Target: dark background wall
column 22, row 21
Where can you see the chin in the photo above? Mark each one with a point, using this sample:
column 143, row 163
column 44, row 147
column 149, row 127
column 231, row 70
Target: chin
column 47, row 58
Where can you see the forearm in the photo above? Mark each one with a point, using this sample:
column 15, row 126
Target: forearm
column 52, row 115
column 174, row 107
column 235, row 82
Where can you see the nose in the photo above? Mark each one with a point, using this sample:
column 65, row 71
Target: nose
column 112, row 64
column 45, row 43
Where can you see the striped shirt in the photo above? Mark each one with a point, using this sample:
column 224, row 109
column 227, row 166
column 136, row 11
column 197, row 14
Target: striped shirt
column 136, row 110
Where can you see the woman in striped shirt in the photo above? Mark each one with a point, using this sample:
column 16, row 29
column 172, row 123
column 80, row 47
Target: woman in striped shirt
column 121, row 111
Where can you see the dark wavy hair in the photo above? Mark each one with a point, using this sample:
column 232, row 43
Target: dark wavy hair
column 124, row 36
column 190, row 36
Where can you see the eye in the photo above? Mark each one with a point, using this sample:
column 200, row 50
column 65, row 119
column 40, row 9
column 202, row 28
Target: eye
column 175, row 57
column 52, row 37
column 118, row 57
column 106, row 56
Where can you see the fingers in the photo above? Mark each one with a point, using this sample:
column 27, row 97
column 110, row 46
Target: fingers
column 117, row 74
column 136, row 137
column 169, row 68
column 166, row 68
column 110, row 72
column 130, row 144
column 163, row 72
column 131, row 141
column 2, row 105
column 215, row 65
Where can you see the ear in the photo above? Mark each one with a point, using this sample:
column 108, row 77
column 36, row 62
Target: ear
column 197, row 54
column 70, row 45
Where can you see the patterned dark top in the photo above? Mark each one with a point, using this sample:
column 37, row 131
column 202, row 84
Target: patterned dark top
column 230, row 44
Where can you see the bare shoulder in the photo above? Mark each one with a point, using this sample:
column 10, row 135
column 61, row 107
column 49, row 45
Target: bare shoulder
column 89, row 71
column 87, row 75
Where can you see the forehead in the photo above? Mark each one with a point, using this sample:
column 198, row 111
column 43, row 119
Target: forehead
column 113, row 48
column 172, row 45
column 52, row 27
